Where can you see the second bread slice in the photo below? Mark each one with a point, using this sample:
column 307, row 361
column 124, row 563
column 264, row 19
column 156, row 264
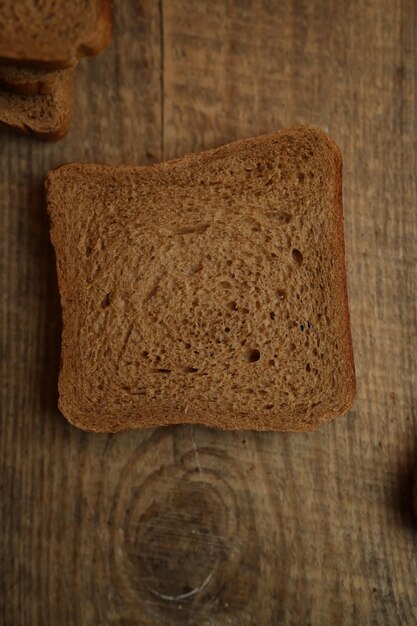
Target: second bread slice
column 28, row 81
column 44, row 116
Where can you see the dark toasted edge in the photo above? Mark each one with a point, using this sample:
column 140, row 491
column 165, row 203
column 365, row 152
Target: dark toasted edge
column 414, row 492
column 342, row 252
column 204, row 155
column 55, row 136
column 119, row 428
column 207, row 154
column 102, row 36
column 350, row 392
column 40, row 64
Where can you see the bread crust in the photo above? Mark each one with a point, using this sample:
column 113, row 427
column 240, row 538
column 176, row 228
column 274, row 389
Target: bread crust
column 97, row 409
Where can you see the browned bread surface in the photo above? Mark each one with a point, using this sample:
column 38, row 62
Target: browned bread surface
column 209, row 289
column 27, row 80
column 53, row 33
column 45, row 116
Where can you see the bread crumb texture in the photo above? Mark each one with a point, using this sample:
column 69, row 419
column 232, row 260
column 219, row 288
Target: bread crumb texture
column 53, row 33
column 44, row 116
column 209, row 289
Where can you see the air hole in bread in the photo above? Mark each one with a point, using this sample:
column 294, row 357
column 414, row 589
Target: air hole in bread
column 301, row 177
column 187, row 345
column 162, row 370
column 225, row 284
column 190, row 370
column 232, row 306
column 195, row 269
column 106, row 300
column 245, row 311
column 282, row 217
column 188, row 230
column 271, row 362
column 281, row 293
column 297, row 256
column 308, row 367
column 252, row 355
column 145, row 354
column 227, row 329
column 269, row 407
column 272, row 315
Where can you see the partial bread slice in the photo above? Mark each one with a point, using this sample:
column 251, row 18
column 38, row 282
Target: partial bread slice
column 53, row 34
column 26, row 80
column 45, row 116
column 210, row 289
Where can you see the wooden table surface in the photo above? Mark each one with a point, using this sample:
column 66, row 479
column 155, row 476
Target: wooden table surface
column 185, row 525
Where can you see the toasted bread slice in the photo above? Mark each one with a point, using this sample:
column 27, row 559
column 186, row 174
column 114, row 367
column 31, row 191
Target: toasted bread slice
column 210, row 289
column 44, row 116
column 29, row 81
column 53, row 34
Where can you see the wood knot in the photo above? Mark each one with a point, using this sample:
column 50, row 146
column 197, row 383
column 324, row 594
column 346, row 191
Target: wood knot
column 184, row 537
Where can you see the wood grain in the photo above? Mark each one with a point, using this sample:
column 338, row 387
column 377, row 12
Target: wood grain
column 186, row 525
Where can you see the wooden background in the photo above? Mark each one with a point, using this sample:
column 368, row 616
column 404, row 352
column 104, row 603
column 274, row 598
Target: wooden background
column 185, row 525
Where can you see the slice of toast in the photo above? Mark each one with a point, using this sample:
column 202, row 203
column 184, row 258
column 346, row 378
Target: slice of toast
column 210, row 289
column 55, row 34
column 44, row 116
column 28, row 81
